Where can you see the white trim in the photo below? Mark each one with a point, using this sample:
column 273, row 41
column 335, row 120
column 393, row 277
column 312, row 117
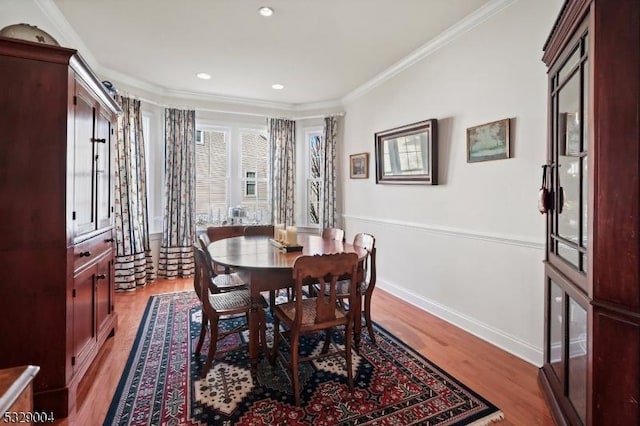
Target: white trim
column 51, row 11
column 49, row 8
column 513, row 240
column 504, row 341
column 466, row 24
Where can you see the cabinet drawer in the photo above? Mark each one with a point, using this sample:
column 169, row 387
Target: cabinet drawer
column 87, row 251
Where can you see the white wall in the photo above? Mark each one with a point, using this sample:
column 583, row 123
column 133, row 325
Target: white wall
column 469, row 249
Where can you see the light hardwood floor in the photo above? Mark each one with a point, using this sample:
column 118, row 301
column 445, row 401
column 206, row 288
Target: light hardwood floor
column 505, row 380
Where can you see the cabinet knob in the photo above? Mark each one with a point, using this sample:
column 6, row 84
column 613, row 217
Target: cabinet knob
column 85, row 254
column 108, row 240
column 99, row 140
column 101, row 276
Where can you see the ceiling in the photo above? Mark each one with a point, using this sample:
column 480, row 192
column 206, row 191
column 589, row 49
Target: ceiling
column 320, row 50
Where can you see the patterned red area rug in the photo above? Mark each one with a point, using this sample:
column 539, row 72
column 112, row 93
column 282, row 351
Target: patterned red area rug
column 393, row 384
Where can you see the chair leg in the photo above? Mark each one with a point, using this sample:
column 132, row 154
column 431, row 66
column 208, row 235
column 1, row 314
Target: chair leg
column 272, row 299
column 203, row 331
column 294, row 367
column 347, row 353
column 262, row 324
column 367, row 317
column 327, row 340
column 213, row 344
column 276, row 337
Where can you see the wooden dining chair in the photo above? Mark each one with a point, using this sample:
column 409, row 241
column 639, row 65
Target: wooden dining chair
column 336, row 234
column 221, row 280
column 317, row 313
column 258, row 230
column 218, row 305
column 367, row 285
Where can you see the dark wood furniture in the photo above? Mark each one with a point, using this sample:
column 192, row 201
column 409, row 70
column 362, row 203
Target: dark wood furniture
column 267, row 268
column 216, row 233
column 56, row 250
column 322, row 312
column 16, row 396
column 368, row 284
column 333, row 234
column 591, row 371
column 216, row 305
column 264, row 230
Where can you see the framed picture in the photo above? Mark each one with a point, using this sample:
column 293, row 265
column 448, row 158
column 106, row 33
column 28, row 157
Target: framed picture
column 569, row 134
column 359, row 166
column 488, row 141
column 408, row 154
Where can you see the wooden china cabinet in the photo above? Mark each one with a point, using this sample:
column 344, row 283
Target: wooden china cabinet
column 56, row 217
column 591, row 371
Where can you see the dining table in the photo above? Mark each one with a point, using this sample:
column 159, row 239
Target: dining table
column 266, row 266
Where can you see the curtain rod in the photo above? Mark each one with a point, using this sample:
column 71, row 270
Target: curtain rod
column 252, row 114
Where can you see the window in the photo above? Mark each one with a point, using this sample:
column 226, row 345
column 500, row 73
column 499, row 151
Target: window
column 232, row 167
column 254, row 165
column 211, row 177
column 250, row 184
column 313, row 140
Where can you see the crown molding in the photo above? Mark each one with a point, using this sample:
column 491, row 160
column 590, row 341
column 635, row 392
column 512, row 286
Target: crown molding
column 49, row 8
column 197, row 96
column 51, row 11
column 461, row 27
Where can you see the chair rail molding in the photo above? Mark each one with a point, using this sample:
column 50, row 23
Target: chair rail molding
column 513, row 240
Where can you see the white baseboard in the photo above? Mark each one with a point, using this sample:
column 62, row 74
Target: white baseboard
column 504, row 341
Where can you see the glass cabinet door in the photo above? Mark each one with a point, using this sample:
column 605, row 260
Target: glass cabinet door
column 566, row 341
column 569, row 151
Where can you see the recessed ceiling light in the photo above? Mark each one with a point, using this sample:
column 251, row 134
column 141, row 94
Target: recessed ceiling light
column 277, row 86
column 265, row 11
column 203, row 75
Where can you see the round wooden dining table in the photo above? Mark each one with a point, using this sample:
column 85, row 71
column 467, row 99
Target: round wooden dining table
column 265, row 267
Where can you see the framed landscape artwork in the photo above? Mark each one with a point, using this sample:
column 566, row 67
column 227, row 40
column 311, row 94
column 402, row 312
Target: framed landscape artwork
column 488, row 141
column 359, row 166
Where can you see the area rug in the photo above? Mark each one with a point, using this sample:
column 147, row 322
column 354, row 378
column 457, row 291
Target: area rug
column 393, row 385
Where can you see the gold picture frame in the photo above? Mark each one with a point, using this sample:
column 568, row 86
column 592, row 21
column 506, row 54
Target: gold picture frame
column 359, row 166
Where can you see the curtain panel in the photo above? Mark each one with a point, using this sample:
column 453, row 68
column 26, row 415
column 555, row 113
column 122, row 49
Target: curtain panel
column 328, row 172
column 176, row 256
column 282, row 137
column 133, row 260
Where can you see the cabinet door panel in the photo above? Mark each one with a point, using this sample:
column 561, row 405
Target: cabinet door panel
column 83, row 178
column 84, row 337
column 103, row 290
column 104, row 170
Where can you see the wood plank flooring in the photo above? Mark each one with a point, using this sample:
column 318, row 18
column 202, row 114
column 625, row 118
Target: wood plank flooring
column 505, row 380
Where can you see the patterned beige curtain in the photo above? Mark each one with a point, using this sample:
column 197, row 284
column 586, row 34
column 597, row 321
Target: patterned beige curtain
column 282, row 137
column 328, row 172
column 176, row 256
column 133, row 262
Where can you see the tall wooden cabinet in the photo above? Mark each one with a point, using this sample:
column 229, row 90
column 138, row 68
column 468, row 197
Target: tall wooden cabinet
column 56, row 241
column 591, row 371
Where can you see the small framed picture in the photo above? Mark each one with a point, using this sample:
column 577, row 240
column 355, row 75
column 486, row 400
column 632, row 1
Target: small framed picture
column 359, row 166
column 488, row 141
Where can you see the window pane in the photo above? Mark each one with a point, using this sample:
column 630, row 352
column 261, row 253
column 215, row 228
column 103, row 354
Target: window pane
column 255, row 172
column 556, row 314
column 313, row 195
column 314, row 155
column 577, row 365
column 211, row 178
